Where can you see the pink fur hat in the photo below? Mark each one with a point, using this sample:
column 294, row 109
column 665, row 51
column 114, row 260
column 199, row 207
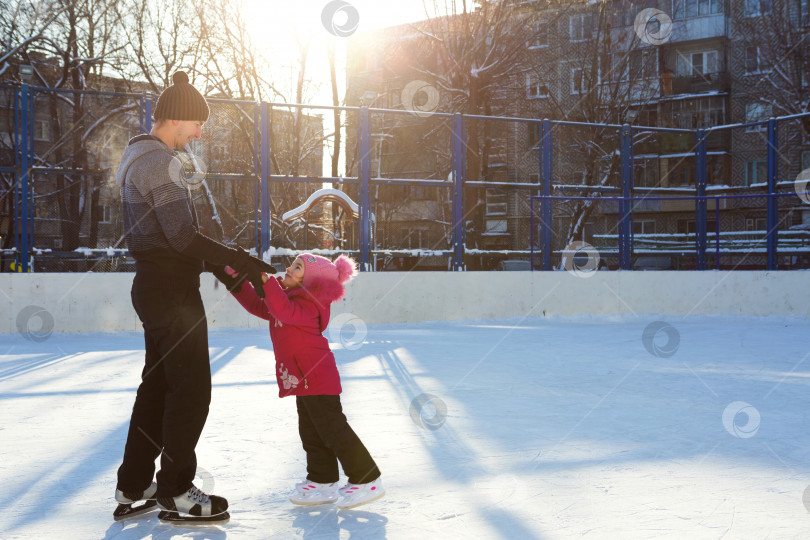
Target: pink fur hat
column 316, row 267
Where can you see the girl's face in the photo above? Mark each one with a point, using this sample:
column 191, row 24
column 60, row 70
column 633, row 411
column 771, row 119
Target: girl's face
column 294, row 276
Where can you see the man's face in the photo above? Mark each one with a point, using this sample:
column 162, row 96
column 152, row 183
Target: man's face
column 186, row 131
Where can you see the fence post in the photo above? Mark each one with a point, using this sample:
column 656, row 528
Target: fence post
column 23, row 212
column 700, row 201
column 264, row 243
column 148, row 115
column 257, row 168
column 773, row 206
column 140, row 111
column 545, row 137
column 364, row 172
column 459, row 177
column 626, row 204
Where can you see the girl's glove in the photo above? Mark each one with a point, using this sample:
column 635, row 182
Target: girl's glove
column 232, row 282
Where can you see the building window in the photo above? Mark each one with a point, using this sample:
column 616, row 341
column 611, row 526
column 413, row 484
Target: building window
column 645, row 174
column 643, row 226
column 106, row 214
column 42, row 130
column 623, row 15
column 619, row 67
column 693, row 8
column 681, row 175
column 755, row 8
column 756, row 224
column 644, row 63
column 495, row 226
column 577, row 81
column 536, row 88
column 418, row 238
column 689, row 226
column 643, row 117
column 756, row 172
column 757, row 112
column 539, row 37
column 805, row 159
column 697, row 63
column 698, row 113
column 752, row 60
column 804, row 12
column 5, row 120
column 534, row 135
column 581, row 26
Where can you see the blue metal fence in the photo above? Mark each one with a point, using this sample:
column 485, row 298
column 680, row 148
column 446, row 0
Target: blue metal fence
column 627, row 200
column 456, row 185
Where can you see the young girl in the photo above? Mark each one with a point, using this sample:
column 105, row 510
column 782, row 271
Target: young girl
column 297, row 306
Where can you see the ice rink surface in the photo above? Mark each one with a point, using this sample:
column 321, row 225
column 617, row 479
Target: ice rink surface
column 625, row 427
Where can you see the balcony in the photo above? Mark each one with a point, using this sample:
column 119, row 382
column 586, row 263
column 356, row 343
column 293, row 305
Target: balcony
column 695, row 28
column 685, row 143
column 698, row 84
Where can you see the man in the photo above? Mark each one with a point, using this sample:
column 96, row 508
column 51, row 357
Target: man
column 161, row 232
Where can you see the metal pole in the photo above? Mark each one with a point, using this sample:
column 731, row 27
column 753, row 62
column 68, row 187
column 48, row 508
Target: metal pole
column 264, row 242
column 31, row 154
column 148, row 116
column 140, row 113
column 256, row 168
column 773, row 208
column 17, row 173
column 545, row 136
column 459, row 176
column 700, row 201
column 717, row 232
column 625, row 205
column 363, row 173
column 531, row 234
column 23, row 232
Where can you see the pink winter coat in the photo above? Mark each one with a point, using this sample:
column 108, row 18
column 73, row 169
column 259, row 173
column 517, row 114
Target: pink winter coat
column 305, row 365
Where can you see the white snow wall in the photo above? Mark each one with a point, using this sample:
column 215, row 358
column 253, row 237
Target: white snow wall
column 95, row 302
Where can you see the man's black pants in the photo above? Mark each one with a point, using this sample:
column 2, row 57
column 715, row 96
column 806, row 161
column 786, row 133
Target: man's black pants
column 171, row 405
column 328, row 438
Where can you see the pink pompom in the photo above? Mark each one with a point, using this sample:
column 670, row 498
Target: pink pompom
column 346, row 267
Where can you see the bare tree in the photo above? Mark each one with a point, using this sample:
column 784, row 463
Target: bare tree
column 775, row 54
column 66, row 42
column 608, row 76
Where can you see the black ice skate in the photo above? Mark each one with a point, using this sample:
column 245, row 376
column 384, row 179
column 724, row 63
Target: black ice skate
column 194, row 506
column 126, row 499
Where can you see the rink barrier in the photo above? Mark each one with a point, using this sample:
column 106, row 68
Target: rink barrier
column 100, row 302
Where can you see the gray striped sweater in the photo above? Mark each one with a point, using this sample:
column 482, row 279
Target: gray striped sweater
column 160, row 224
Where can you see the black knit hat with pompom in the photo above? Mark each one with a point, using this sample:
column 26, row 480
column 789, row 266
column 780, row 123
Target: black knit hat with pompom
column 181, row 101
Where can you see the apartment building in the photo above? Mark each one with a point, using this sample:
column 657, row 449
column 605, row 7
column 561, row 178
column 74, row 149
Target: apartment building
column 698, row 64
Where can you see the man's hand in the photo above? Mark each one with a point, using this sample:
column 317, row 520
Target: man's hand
column 251, row 268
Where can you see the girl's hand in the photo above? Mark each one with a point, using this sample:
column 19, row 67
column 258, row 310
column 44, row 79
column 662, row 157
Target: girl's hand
column 265, row 277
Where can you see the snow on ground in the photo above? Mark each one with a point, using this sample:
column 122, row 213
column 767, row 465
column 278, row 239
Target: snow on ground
column 554, row 428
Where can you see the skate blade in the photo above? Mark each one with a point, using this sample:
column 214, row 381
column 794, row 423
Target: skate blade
column 181, row 520
column 126, row 511
column 377, row 498
column 312, row 503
